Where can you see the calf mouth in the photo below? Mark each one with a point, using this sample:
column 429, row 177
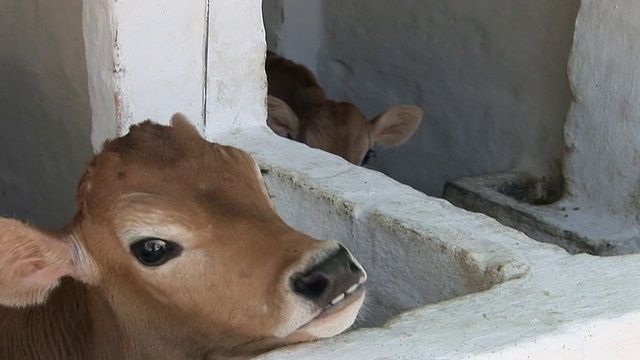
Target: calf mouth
column 341, row 304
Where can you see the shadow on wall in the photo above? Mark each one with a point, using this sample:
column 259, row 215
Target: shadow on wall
column 44, row 104
column 490, row 77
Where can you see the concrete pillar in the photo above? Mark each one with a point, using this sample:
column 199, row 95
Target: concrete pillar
column 602, row 133
column 236, row 87
column 152, row 58
column 146, row 60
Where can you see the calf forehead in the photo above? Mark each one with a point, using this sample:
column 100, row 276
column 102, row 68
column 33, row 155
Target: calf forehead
column 338, row 127
column 340, row 119
column 173, row 163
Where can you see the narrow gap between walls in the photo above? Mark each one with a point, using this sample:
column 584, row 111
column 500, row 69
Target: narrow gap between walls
column 206, row 64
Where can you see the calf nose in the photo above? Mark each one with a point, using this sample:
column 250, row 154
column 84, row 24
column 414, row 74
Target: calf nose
column 328, row 280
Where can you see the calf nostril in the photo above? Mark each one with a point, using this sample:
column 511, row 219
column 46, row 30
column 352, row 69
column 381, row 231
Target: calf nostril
column 354, row 267
column 311, row 286
column 329, row 281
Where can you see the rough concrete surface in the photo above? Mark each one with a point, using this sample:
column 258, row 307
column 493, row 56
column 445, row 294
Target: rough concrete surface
column 567, row 222
column 602, row 166
column 158, row 68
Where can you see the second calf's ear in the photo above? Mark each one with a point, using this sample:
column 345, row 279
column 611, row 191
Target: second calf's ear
column 281, row 119
column 396, row 125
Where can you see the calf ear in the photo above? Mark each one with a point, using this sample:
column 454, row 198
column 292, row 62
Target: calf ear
column 181, row 122
column 396, row 125
column 281, row 119
column 31, row 263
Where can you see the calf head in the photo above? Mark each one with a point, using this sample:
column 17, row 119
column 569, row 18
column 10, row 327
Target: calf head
column 340, row 127
column 180, row 237
column 298, row 109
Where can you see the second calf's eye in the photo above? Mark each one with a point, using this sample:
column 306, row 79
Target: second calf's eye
column 367, row 157
column 154, row 252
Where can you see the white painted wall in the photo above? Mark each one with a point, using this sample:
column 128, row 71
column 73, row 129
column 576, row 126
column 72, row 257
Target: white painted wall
column 159, row 62
column 99, row 33
column 175, row 58
column 45, row 116
column 602, row 166
column 235, row 79
column 146, row 60
column 295, row 28
column 490, row 76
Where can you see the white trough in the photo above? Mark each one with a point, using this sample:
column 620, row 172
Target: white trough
column 446, row 283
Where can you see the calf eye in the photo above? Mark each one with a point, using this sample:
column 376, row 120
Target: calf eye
column 155, row 252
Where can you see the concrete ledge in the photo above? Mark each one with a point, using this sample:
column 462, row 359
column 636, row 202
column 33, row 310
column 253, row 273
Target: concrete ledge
column 567, row 222
column 410, row 244
column 571, row 308
column 455, row 284
column 524, row 299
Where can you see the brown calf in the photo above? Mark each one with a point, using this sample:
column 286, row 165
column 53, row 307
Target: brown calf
column 299, row 109
column 176, row 252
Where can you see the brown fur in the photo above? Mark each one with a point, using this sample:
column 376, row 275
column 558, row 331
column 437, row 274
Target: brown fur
column 78, row 293
column 299, row 109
